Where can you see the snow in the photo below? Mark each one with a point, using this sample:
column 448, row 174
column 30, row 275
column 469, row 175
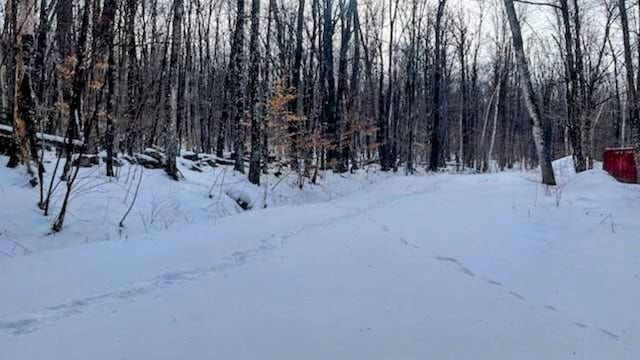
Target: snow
column 147, row 158
column 41, row 136
column 444, row 266
column 99, row 203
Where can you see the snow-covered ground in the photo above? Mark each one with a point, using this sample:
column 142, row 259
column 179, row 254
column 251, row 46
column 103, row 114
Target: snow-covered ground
column 427, row 267
column 99, row 203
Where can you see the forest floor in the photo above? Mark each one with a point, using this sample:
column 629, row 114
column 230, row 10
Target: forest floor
column 366, row 266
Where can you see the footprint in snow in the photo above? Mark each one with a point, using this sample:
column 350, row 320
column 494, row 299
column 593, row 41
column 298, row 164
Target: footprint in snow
column 447, row 259
column 493, row 282
column 516, row 295
column 467, row 271
column 611, row 335
column 406, row 242
column 20, row 327
column 551, row 307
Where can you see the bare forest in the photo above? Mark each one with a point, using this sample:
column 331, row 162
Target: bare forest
column 312, row 85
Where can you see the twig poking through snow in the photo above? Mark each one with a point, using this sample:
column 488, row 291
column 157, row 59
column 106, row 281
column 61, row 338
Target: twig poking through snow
column 16, row 245
column 610, row 218
column 135, row 196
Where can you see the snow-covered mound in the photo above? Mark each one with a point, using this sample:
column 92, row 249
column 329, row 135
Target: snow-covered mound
column 564, row 168
column 99, row 203
column 591, row 189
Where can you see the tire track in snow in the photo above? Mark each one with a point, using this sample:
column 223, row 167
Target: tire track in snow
column 30, row 322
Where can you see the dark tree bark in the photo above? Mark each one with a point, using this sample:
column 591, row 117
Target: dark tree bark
column 572, row 89
column 436, row 150
column 297, row 103
column 39, row 73
column 584, row 119
column 382, row 134
column 329, row 110
column 237, row 73
column 462, row 47
column 79, row 84
column 391, row 96
column 24, row 104
column 266, row 88
column 632, row 91
column 105, row 53
column 254, row 101
column 64, row 39
column 75, row 121
column 353, row 108
column 133, row 75
column 619, row 131
column 346, row 21
column 233, row 102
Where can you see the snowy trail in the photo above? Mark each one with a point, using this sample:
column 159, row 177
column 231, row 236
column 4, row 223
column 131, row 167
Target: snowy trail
column 456, row 264
column 390, row 273
column 511, row 287
column 30, row 322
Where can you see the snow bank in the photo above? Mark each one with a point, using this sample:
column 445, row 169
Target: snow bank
column 99, row 203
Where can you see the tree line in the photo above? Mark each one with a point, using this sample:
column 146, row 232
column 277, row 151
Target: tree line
column 321, row 84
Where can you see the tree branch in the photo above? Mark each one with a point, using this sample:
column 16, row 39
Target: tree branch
column 538, row 3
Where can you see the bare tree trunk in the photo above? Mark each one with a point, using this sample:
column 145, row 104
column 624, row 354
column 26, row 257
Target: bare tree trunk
column 391, row 115
column 485, row 123
column 105, row 49
column 632, row 92
column 434, row 161
column 346, row 21
column 133, row 76
column 584, row 118
column 500, row 105
column 297, row 102
column 462, row 45
column 64, row 41
column 24, row 104
column 41, row 77
column 266, row 90
column 76, row 115
column 572, row 90
column 618, row 101
column 254, row 102
column 39, row 73
column 353, row 107
column 172, row 91
column 542, row 149
column 328, row 78
column 79, row 81
column 237, row 77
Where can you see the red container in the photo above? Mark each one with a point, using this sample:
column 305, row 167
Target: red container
column 620, row 163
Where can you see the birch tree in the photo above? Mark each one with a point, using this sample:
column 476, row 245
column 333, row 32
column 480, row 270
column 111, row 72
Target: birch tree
column 542, row 149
